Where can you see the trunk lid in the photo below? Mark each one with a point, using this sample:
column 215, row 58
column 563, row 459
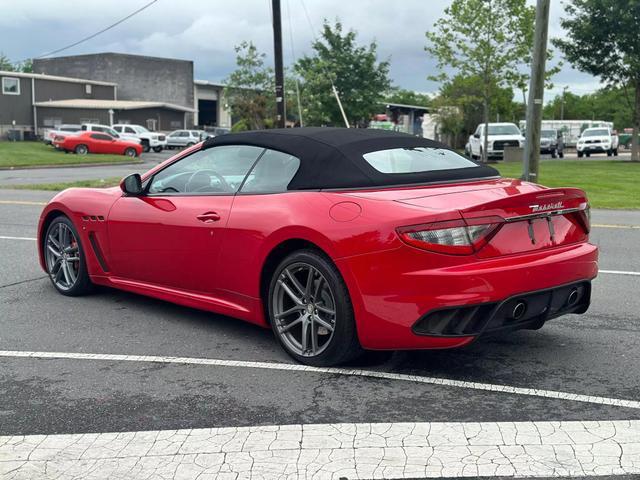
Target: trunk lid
column 531, row 217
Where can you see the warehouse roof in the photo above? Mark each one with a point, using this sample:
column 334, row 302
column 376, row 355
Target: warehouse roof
column 110, row 104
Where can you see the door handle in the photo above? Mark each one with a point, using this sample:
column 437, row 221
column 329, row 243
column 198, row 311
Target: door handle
column 208, row 217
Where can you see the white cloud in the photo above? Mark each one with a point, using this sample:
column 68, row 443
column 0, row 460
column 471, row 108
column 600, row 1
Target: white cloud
column 206, row 31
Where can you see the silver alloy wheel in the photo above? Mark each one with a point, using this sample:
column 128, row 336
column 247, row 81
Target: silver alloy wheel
column 130, row 152
column 62, row 256
column 304, row 309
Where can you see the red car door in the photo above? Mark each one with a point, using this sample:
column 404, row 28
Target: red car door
column 100, row 143
column 172, row 234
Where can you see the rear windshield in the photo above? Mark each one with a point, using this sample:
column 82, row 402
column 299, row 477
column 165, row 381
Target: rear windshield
column 416, row 160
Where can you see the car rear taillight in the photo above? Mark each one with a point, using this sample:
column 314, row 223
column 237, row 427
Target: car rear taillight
column 58, row 138
column 584, row 217
column 454, row 237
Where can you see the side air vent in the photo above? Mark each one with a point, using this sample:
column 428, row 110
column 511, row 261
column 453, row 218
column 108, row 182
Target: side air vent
column 98, row 252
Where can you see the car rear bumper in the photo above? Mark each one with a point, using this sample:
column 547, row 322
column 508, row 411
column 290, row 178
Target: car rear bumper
column 394, row 290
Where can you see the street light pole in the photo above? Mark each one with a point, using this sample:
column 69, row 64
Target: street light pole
column 277, row 50
column 564, row 91
column 536, row 93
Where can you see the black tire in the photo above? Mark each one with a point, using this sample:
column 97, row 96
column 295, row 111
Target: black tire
column 190, row 144
column 130, row 152
column 157, row 149
column 580, row 154
column 554, row 154
column 588, row 154
column 344, row 344
column 561, row 154
column 145, row 146
column 82, row 283
column 615, row 152
column 609, row 153
column 81, row 149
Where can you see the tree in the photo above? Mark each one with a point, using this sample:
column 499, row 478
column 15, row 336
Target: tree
column 602, row 39
column 249, row 90
column 408, row 97
column 466, row 94
column 359, row 77
column 6, row 64
column 483, row 39
column 611, row 104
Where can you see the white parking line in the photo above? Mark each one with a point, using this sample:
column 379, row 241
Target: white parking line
column 619, row 272
column 291, row 367
column 363, row 450
column 3, row 237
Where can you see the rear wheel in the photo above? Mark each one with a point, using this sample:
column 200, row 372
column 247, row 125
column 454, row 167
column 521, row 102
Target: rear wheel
column 157, row 149
column 65, row 259
column 145, row 146
column 131, row 152
column 554, row 154
column 615, row 152
column 311, row 312
column 81, row 149
column 190, row 144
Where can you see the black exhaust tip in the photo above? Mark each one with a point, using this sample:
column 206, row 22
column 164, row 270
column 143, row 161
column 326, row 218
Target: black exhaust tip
column 572, row 299
column 519, row 310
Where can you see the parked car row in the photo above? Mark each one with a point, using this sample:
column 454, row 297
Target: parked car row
column 501, row 135
column 123, row 139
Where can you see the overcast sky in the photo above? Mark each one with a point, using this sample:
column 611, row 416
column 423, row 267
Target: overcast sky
column 205, row 31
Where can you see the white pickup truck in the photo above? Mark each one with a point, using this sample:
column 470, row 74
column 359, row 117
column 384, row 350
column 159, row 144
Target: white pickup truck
column 500, row 135
column 148, row 140
column 597, row 140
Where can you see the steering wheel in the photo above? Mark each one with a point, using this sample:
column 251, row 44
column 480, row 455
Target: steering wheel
column 225, row 186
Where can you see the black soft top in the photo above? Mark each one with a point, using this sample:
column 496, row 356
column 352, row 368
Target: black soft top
column 332, row 157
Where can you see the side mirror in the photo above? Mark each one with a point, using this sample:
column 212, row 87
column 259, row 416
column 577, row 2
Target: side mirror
column 132, row 184
column 476, row 135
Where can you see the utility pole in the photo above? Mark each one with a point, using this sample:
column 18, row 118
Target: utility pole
column 277, row 54
column 536, row 93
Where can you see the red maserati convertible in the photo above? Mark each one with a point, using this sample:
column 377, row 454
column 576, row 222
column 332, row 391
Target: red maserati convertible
column 96, row 142
column 338, row 239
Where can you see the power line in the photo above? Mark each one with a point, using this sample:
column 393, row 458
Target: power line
column 99, row 32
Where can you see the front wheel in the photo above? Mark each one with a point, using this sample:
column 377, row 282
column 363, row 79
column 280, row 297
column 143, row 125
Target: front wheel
column 64, row 258
column 157, row 149
column 310, row 310
column 615, row 152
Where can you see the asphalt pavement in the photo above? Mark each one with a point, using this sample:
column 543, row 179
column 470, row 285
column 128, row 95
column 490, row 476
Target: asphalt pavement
column 210, row 395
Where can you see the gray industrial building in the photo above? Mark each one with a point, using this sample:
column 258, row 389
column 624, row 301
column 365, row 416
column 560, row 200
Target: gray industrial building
column 159, row 93
column 138, row 77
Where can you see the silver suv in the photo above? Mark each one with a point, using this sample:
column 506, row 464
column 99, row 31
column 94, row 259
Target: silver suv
column 185, row 138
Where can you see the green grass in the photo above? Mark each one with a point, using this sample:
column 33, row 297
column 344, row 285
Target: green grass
column 56, row 187
column 609, row 184
column 37, row 154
